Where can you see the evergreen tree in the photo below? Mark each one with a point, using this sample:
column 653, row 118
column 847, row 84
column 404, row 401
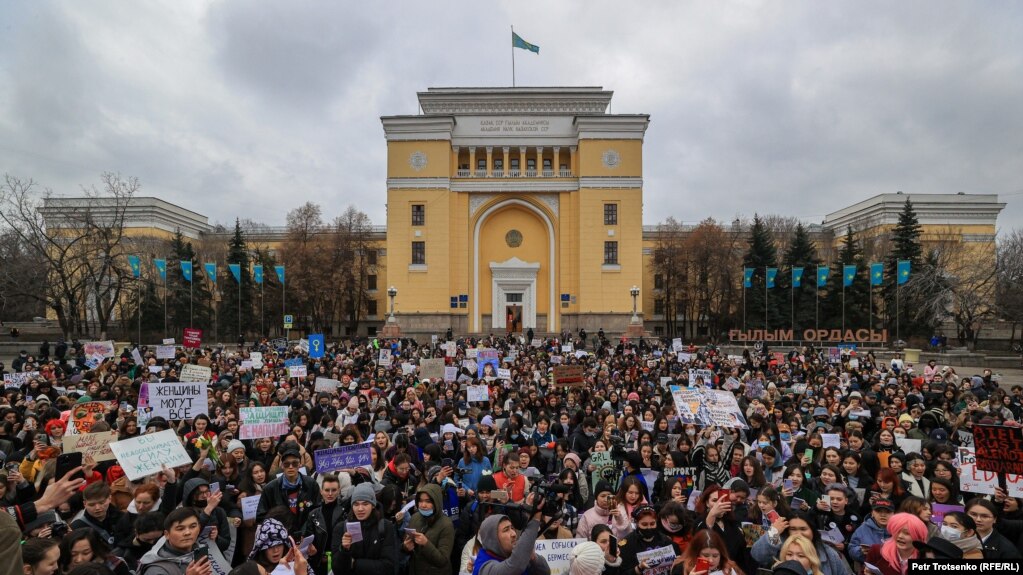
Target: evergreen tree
column 856, row 295
column 802, row 253
column 762, row 254
column 187, row 305
column 232, row 290
column 905, row 246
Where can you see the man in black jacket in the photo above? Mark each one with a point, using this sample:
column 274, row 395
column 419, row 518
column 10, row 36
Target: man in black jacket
column 293, row 490
column 324, row 520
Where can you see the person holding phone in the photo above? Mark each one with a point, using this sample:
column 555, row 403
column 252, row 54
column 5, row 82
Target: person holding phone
column 173, row 555
column 706, row 554
column 430, row 536
column 504, row 551
column 275, row 551
column 604, row 537
column 646, row 537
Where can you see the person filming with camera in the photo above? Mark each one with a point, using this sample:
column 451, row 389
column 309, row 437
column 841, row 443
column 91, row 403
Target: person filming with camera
column 504, row 551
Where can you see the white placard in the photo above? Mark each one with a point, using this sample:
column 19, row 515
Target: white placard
column 407, row 368
column 177, row 401
column 195, row 373
column 384, row 358
column 503, row 374
column 249, row 506
column 326, row 384
column 472, row 352
column 145, row 455
column 136, row 356
column 831, row 440
column 165, row 352
column 257, row 359
column 972, row 479
column 298, row 371
column 676, row 344
column 478, row 393
column 168, row 341
column 450, row 373
column 909, row 445
column 558, row 553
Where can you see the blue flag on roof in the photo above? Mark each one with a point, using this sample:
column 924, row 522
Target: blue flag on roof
column 518, row 42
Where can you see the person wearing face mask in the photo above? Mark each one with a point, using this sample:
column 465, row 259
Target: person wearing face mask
column 646, row 537
column 677, row 523
column 960, row 529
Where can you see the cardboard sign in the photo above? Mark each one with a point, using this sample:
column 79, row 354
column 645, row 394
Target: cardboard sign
column 676, row 344
column 326, row 384
column 193, row 338
column 84, row 415
column 407, row 368
column 298, row 370
column 257, row 359
column 908, row 445
column 344, row 457
column 605, row 467
column 384, row 358
column 168, row 341
column 177, row 401
column 103, row 349
column 972, row 479
column 145, row 455
column 450, row 349
column 16, row 380
column 450, row 373
column 195, row 373
column 569, row 376
column 504, row 374
column 432, row 368
column 96, row 445
column 998, row 448
column 249, row 506
column 257, row 422
column 165, row 352
column 557, row 552
column 477, row 393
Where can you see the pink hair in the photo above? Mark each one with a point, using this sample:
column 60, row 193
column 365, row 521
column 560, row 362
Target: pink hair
column 898, row 522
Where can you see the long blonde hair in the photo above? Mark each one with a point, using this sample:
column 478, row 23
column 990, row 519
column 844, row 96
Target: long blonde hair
column 808, row 549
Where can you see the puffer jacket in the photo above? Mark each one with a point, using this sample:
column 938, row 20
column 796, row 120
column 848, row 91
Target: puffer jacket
column 870, row 533
column 433, row 558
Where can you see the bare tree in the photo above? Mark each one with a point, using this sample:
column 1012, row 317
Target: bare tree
column 671, row 269
column 1008, row 296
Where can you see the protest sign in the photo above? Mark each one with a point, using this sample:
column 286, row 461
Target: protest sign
column 831, row 440
column 684, row 357
column 557, row 553
column 469, row 364
column 704, row 374
column 940, row 510
column 296, row 367
column 136, row 356
column 195, row 373
column 259, row 422
column 605, row 467
column 344, row 457
column 15, row 380
column 432, row 368
column 407, row 368
column 95, row 445
column 101, row 348
column 676, row 344
column 487, row 363
column 168, row 341
column 567, row 348
column 246, row 364
column 504, row 374
column 477, row 393
column 972, row 479
column 192, row 338
column 146, row 454
column 998, row 448
column 569, row 376
column 450, row 349
column 177, row 401
column 384, row 358
column 326, row 384
column 257, row 359
column 472, row 352
column 701, row 406
column 165, row 352
column 535, row 342
column 658, row 560
column 84, row 415
column 450, row 373
column 908, row 445
column 1014, row 485
column 250, row 505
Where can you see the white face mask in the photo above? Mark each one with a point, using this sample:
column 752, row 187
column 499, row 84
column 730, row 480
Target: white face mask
column 950, row 533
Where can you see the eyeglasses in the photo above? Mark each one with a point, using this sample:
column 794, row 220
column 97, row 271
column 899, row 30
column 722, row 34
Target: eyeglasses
column 290, row 463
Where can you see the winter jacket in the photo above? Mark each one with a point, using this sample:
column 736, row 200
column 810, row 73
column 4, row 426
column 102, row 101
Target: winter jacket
column 765, row 552
column 376, row 554
column 870, row 533
column 597, row 515
column 217, row 519
column 307, row 496
column 433, row 558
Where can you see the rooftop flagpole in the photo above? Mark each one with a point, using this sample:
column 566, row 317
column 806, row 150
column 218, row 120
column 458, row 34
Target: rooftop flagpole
column 513, row 55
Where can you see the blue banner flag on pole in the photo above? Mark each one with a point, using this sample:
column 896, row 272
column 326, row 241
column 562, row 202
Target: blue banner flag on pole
column 771, row 274
column 236, row 271
column 280, row 273
column 747, row 277
column 876, row 273
column 316, row 343
column 136, row 266
column 848, row 275
column 797, row 277
column 186, row 270
column 518, row 42
column 822, row 275
column 211, row 271
column 257, row 273
column 161, row 268
column 903, row 271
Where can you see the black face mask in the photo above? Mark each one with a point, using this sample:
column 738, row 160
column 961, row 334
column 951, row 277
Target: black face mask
column 647, row 533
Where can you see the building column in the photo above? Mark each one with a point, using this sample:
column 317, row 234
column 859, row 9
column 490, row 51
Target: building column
column 507, row 166
column 472, row 161
column 522, row 161
column 490, row 160
column 454, row 150
column 571, row 160
column 555, row 161
column 539, row 161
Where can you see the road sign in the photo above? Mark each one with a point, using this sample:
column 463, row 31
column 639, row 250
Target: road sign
column 289, row 321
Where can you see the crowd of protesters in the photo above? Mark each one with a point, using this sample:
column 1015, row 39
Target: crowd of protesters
column 458, row 487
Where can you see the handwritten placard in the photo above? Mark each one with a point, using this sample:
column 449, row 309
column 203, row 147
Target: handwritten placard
column 257, row 422
column 558, row 553
column 250, row 505
column 147, row 454
column 477, row 393
column 95, row 445
column 344, row 457
column 176, row 401
column 165, row 352
column 326, row 384
column 195, row 373
column 432, row 368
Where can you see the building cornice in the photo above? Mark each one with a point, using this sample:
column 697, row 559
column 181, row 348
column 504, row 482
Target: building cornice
column 547, row 100
column 404, row 128
column 617, row 127
column 931, row 210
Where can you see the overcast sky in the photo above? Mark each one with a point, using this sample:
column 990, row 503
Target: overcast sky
column 242, row 108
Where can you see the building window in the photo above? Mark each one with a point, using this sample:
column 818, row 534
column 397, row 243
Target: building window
column 658, row 330
column 514, row 163
column 419, row 253
column 513, row 297
column 371, row 307
column 658, row 281
column 371, row 282
column 610, row 214
column 658, row 306
column 498, row 164
column 371, row 330
column 611, row 253
column 371, row 257
column 481, row 164
column 418, row 215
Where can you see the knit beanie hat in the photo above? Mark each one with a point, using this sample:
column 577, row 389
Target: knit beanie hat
column 235, row 444
column 587, row 559
column 364, row 492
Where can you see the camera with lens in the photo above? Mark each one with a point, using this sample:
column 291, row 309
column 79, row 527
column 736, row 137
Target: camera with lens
column 617, row 445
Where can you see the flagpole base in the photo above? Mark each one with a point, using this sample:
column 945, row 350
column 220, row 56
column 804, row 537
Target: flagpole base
column 391, row 329
column 635, row 330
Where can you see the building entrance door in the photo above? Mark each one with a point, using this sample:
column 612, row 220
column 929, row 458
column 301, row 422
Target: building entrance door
column 513, row 318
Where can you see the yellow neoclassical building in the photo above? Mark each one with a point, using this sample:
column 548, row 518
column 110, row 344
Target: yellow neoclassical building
column 514, row 208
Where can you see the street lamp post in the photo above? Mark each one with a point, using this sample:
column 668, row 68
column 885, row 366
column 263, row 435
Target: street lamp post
column 391, row 328
column 392, row 292
column 634, row 291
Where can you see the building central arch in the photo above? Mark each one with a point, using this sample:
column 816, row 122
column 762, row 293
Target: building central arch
column 500, row 270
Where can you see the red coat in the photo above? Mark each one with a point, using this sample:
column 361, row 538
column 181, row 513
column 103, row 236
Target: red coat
column 874, row 558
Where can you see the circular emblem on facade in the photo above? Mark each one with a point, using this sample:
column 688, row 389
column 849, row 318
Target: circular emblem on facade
column 611, row 159
column 417, row 160
column 513, row 238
